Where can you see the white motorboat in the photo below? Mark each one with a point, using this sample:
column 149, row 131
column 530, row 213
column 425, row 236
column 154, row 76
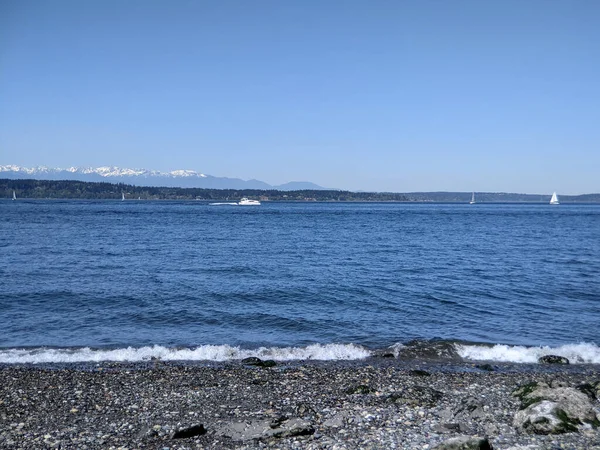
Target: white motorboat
column 247, row 202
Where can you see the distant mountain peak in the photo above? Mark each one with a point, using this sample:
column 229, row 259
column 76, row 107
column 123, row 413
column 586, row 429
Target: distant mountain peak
column 144, row 177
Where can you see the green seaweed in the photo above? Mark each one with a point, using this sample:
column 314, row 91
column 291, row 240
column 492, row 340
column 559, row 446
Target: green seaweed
column 528, row 401
column 525, row 389
column 588, row 389
column 567, row 424
column 522, row 393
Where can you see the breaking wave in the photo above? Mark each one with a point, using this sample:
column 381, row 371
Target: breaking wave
column 583, row 353
column 215, row 353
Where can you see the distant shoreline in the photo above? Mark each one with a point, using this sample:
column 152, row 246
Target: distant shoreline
column 82, row 190
column 406, row 202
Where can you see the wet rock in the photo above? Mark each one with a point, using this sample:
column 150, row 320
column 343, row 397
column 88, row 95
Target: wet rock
column 188, row 432
column 446, row 428
column 553, row 359
column 416, row 396
column 547, row 409
column 429, row 350
column 465, row 443
column 470, row 407
column 486, row 367
column 251, row 361
column 384, row 354
column 420, row 373
column 254, row 361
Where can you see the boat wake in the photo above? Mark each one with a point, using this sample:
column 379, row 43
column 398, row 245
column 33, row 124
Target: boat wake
column 223, row 203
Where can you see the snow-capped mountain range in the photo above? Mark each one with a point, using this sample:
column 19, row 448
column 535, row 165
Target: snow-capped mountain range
column 144, row 177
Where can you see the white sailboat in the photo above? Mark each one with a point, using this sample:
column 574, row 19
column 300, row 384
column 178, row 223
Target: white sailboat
column 554, row 199
column 14, row 195
column 122, row 196
column 472, row 199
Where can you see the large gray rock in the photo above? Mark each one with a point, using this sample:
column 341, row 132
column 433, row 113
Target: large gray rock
column 465, row 443
column 264, row 429
column 554, row 409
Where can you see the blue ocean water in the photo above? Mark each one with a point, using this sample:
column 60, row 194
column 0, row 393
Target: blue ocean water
column 91, row 280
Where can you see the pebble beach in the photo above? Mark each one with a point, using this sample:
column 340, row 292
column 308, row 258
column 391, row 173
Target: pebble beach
column 378, row 403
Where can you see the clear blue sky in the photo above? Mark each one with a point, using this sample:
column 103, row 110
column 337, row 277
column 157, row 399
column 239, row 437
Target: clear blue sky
column 365, row 95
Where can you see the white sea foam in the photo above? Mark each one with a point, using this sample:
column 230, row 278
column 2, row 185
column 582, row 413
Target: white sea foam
column 201, row 353
column 583, row 353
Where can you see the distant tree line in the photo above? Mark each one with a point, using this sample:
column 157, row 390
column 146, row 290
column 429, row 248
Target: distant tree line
column 72, row 189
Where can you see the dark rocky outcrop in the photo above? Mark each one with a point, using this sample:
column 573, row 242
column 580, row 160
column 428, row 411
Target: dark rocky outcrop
column 188, row 432
column 254, row 361
column 420, row 373
column 465, row 443
column 553, row 359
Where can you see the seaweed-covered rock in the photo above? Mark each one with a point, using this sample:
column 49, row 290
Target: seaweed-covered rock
column 254, row 361
column 554, row 409
column 465, row 443
column 553, row 359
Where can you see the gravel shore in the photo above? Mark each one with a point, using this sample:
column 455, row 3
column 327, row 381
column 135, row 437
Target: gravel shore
column 373, row 404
